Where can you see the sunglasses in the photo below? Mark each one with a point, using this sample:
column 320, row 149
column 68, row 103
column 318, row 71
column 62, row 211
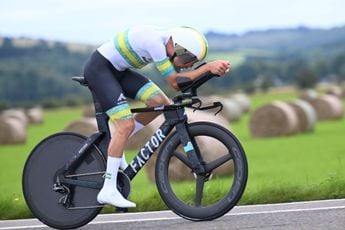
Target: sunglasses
column 184, row 55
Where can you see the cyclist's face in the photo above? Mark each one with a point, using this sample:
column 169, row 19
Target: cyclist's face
column 180, row 65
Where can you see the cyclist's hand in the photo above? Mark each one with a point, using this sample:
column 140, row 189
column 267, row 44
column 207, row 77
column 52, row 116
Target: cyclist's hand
column 219, row 67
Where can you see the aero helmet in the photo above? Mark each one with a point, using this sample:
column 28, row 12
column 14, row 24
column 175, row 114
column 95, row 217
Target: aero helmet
column 190, row 44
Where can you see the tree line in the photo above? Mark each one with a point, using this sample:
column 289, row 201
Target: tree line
column 41, row 73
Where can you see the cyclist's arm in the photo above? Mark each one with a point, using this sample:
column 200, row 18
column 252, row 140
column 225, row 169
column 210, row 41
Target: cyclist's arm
column 220, row 67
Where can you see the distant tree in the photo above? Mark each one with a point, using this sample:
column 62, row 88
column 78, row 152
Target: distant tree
column 3, row 105
column 6, row 48
column 305, row 78
column 266, row 83
column 338, row 65
column 249, row 87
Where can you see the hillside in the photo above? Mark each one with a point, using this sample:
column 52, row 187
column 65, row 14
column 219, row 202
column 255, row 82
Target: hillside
column 39, row 71
column 289, row 40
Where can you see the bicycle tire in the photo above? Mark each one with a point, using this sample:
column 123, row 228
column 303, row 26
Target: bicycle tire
column 199, row 211
column 46, row 158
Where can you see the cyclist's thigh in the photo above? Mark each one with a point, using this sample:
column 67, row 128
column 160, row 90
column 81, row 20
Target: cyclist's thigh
column 103, row 80
column 138, row 87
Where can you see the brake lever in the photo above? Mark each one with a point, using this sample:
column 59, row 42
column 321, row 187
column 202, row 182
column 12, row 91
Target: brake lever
column 215, row 105
column 218, row 104
column 199, row 104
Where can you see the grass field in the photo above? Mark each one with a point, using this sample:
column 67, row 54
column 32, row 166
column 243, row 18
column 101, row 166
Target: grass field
column 300, row 167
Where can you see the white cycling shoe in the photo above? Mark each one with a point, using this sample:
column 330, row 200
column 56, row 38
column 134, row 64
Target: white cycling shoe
column 114, row 198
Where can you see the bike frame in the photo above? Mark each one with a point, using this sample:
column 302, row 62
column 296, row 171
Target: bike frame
column 174, row 117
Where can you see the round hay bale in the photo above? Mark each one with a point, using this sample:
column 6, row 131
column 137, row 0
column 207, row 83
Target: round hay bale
column 231, row 109
column 208, row 100
column 199, row 115
column 243, row 101
column 306, row 115
column 84, row 126
column 89, row 111
column 308, row 95
column 335, row 91
column 273, row 119
column 211, row 149
column 12, row 131
column 35, row 115
column 140, row 138
column 328, row 107
column 342, row 87
column 18, row 114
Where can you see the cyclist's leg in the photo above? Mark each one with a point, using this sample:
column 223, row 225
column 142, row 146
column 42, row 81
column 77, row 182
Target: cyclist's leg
column 103, row 79
column 138, row 87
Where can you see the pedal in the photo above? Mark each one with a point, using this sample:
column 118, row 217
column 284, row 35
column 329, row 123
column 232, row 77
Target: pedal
column 121, row 210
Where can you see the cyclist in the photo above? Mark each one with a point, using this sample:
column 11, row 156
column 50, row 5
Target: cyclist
column 109, row 73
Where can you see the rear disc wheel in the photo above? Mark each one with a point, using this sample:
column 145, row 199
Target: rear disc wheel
column 39, row 172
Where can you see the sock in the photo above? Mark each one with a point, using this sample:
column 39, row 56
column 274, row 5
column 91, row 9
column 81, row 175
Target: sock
column 123, row 164
column 110, row 176
column 137, row 127
column 109, row 194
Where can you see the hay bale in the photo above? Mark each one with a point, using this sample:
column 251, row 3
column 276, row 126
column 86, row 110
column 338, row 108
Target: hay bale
column 211, row 149
column 231, row 109
column 243, row 101
column 328, row 107
column 208, row 100
column 306, row 115
column 140, row 138
column 334, row 90
column 343, row 91
column 204, row 116
column 308, row 95
column 12, row 131
column 35, row 115
column 18, row 114
column 273, row 119
column 84, row 126
column 89, row 111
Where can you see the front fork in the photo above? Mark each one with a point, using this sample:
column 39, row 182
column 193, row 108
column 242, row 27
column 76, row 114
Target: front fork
column 191, row 149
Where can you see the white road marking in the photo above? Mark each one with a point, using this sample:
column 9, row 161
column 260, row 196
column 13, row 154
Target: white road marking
column 169, row 215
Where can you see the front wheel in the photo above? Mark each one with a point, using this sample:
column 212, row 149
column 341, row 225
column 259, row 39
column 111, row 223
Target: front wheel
column 208, row 195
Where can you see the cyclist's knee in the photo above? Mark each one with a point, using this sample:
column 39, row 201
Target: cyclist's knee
column 159, row 99
column 124, row 127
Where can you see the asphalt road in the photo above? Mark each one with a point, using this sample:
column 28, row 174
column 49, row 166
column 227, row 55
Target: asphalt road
column 328, row 214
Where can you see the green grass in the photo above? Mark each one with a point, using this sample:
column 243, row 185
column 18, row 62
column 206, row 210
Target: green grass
column 236, row 58
column 300, row 167
column 13, row 157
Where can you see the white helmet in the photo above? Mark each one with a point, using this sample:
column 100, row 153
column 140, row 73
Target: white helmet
column 189, row 44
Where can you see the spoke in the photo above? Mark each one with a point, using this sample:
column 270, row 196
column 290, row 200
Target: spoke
column 182, row 158
column 199, row 190
column 216, row 163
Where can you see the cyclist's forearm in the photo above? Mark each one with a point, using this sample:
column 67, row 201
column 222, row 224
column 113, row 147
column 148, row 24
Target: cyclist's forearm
column 193, row 74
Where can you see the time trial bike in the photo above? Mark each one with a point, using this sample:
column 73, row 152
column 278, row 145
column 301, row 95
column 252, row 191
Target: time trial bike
column 64, row 172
